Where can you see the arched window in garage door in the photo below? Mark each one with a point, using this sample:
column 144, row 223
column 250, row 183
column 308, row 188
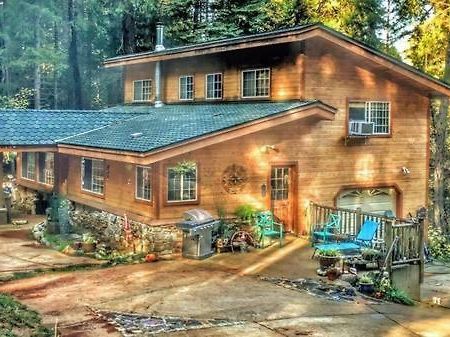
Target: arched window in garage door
column 382, row 201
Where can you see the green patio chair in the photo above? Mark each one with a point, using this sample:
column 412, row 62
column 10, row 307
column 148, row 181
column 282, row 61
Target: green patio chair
column 328, row 230
column 268, row 227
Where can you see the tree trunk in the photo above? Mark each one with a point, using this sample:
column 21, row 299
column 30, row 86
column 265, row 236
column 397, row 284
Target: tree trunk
column 55, row 71
column 73, row 57
column 441, row 154
column 128, row 33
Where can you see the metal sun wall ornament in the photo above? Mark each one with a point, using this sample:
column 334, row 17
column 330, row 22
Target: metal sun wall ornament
column 234, row 178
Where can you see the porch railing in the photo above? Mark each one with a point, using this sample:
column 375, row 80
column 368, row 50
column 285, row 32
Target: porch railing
column 407, row 249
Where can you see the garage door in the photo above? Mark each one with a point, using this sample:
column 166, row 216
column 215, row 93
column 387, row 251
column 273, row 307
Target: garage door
column 381, row 201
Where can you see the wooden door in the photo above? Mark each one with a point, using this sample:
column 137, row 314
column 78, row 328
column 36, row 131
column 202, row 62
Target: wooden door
column 281, row 195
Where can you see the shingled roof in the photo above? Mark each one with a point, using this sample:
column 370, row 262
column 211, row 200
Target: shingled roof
column 44, row 127
column 173, row 124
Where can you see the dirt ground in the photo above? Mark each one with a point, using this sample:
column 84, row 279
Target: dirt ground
column 226, row 286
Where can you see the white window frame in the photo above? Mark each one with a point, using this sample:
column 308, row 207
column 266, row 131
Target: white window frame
column 214, row 82
column 150, row 173
column 92, row 175
column 26, row 176
column 181, row 188
column 192, row 91
column 49, row 173
column 369, row 118
column 142, row 90
column 255, row 70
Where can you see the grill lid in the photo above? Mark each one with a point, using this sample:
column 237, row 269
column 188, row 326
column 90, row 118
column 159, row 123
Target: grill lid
column 198, row 215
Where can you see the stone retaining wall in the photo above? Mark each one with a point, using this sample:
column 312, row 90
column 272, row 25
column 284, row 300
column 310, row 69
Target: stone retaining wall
column 109, row 229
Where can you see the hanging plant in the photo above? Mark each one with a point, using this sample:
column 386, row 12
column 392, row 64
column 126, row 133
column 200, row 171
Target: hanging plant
column 185, row 167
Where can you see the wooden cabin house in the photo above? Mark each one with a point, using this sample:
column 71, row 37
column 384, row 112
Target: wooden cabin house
column 275, row 120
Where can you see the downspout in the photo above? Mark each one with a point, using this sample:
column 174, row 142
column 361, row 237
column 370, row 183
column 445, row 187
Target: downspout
column 159, row 47
column 3, row 211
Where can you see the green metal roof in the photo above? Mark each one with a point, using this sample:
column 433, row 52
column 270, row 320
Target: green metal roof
column 173, row 124
column 44, row 127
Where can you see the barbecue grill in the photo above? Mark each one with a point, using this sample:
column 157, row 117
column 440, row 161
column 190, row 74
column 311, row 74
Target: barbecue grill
column 199, row 228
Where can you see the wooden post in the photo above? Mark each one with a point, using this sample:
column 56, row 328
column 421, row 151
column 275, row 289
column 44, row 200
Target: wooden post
column 389, row 240
column 421, row 248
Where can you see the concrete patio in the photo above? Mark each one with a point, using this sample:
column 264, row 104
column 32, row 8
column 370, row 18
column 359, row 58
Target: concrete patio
column 20, row 253
column 227, row 286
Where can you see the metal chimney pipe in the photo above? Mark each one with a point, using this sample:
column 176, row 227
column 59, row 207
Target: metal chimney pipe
column 159, row 37
column 159, row 47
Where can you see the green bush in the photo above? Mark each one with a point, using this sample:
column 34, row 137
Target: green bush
column 17, row 320
column 438, row 244
column 245, row 212
column 398, row 296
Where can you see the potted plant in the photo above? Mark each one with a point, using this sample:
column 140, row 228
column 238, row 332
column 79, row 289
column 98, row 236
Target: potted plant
column 366, row 285
column 328, row 258
column 89, row 242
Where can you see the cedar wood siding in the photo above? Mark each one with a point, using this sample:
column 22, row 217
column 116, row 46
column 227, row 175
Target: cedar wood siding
column 285, row 62
column 325, row 164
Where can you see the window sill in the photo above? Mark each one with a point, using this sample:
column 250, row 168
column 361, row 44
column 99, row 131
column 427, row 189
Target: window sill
column 181, row 203
column 143, row 201
column 94, row 194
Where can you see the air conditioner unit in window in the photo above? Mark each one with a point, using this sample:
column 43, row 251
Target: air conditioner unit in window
column 360, row 128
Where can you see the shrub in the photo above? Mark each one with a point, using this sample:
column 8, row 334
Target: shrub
column 398, row 296
column 245, row 212
column 438, row 243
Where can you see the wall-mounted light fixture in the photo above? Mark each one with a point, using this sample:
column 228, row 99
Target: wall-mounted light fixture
column 268, row 148
column 405, row 171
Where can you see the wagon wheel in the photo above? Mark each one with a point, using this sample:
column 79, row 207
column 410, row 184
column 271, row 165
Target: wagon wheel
column 241, row 237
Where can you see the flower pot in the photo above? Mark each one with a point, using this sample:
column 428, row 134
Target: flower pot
column 366, row 288
column 333, row 274
column 326, row 262
column 150, row 258
column 88, row 247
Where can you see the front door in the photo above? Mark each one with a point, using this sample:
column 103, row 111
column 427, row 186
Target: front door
column 281, row 195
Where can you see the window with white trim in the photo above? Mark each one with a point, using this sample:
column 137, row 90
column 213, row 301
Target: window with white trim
column 214, row 86
column 46, row 168
column 256, row 83
column 29, row 165
column 93, row 175
column 186, row 88
column 181, row 186
column 143, row 183
column 142, row 90
column 376, row 112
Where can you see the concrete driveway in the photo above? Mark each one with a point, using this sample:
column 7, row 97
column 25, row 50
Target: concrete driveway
column 20, row 253
column 226, row 287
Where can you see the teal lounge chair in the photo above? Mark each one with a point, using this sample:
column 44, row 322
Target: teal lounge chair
column 329, row 229
column 363, row 240
column 268, row 227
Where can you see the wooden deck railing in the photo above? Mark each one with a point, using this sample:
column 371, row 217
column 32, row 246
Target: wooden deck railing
column 407, row 249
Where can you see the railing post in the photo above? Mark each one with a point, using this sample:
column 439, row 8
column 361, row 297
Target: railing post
column 421, row 229
column 389, row 239
column 359, row 221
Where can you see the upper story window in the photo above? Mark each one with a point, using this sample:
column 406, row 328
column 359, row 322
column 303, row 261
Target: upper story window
column 142, row 90
column 181, row 186
column 256, row 83
column 93, row 175
column 46, row 168
column 186, row 87
column 29, row 165
column 214, row 86
column 376, row 113
column 143, row 183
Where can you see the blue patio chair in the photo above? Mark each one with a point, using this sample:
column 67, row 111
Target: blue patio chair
column 363, row 240
column 328, row 230
column 268, row 227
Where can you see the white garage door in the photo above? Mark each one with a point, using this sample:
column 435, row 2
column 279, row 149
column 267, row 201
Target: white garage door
column 374, row 200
